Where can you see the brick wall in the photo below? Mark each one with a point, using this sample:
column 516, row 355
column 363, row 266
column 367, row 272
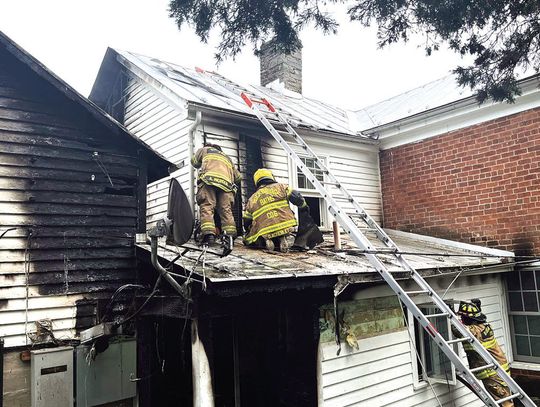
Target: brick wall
column 477, row 185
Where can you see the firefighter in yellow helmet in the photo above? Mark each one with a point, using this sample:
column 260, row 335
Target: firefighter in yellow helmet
column 216, row 187
column 268, row 218
column 475, row 321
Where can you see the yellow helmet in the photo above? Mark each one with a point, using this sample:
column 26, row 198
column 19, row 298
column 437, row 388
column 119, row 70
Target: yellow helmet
column 262, row 173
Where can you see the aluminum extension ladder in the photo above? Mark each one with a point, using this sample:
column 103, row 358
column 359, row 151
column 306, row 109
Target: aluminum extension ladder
column 347, row 222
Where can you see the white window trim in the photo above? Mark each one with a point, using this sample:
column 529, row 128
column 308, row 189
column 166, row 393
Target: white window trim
column 311, row 193
column 418, row 383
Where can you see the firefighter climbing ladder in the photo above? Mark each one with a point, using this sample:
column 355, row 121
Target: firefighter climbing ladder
column 347, row 222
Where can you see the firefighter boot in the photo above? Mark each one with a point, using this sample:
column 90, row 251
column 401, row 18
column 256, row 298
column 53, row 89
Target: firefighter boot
column 283, row 244
column 269, row 244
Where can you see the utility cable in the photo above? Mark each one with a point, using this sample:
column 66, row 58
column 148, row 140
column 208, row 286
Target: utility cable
column 95, row 156
column 117, row 292
column 154, row 292
column 5, row 231
column 27, row 283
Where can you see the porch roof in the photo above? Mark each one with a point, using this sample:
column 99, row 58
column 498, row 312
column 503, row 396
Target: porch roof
column 429, row 256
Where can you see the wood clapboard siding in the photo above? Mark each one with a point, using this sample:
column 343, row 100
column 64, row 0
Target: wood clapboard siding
column 163, row 128
column 380, row 372
column 74, row 213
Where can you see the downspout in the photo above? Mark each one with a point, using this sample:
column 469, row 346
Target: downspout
column 191, row 151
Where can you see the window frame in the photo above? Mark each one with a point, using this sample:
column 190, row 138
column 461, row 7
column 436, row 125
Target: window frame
column 526, row 314
column 312, row 193
column 419, row 382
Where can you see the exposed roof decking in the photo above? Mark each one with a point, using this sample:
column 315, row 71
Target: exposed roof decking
column 248, row 264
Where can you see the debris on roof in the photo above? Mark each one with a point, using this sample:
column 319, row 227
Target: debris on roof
column 429, row 256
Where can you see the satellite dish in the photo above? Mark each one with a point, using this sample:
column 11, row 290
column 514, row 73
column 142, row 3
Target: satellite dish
column 180, row 213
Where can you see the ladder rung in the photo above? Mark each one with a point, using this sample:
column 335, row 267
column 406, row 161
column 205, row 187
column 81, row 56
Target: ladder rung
column 356, row 215
column 343, row 199
column 336, row 184
column 457, row 340
column 511, row 397
column 296, row 144
column 477, row 369
column 417, row 292
column 367, row 230
column 442, row 314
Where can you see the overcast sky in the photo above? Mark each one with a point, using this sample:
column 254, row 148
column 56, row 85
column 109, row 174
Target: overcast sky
column 347, row 70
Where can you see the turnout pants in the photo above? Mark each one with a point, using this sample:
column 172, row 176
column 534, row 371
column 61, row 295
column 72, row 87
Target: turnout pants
column 210, row 199
column 498, row 389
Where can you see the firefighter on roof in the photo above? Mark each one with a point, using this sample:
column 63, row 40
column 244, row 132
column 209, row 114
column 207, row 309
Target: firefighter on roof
column 216, row 187
column 475, row 321
column 268, row 218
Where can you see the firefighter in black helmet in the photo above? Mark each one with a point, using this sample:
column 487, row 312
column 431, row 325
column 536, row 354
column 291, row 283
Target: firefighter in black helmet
column 475, row 321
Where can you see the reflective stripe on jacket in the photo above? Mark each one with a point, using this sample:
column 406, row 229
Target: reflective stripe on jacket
column 269, row 212
column 485, row 335
column 215, row 168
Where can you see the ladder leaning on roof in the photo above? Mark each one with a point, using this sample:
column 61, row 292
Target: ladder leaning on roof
column 347, row 221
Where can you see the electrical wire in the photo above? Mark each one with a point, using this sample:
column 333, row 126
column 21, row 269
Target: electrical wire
column 154, row 292
column 27, row 283
column 117, row 292
column 5, row 231
column 101, row 166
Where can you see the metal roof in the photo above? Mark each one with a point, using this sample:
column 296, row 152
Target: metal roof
column 433, row 256
column 421, row 99
column 211, row 89
column 207, row 88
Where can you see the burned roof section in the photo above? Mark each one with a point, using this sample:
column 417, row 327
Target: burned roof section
column 429, row 256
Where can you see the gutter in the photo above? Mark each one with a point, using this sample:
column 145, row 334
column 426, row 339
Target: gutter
column 249, row 118
column 191, row 152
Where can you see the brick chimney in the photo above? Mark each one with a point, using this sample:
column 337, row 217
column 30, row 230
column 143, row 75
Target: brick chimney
column 286, row 68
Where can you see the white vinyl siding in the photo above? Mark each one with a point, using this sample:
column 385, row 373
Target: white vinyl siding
column 358, row 171
column 163, row 127
column 380, row 372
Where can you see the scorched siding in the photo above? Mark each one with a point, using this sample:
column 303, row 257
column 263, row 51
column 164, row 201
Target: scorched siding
column 68, row 194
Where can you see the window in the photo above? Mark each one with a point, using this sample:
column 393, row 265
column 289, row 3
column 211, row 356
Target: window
column 313, row 198
column 438, row 368
column 523, row 297
column 303, row 182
